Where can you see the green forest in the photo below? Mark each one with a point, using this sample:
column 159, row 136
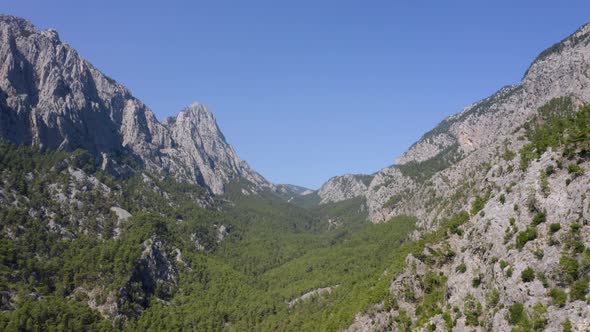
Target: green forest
column 274, row 253
column 236, row 262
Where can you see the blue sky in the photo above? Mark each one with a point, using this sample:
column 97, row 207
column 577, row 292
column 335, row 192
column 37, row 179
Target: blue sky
column 305, row 90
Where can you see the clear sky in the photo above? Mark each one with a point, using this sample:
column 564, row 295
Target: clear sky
column 305, row 90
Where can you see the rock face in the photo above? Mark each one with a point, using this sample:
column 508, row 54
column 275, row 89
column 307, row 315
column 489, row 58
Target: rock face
column 293, row 189
column 203, row 152
column 340, row 188
column 52, row 98
column 483, row 263
column 532, row 218
column 461, row 143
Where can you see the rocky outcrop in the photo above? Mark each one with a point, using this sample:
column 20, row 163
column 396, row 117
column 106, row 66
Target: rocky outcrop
column 519, row 258
column 293, row 189
column 482, row 262
column 462, row 143
column 52, row 98
column 484, row 127
column 309, row 295
column 343, row 187
column 154, row 274
column 203, row 152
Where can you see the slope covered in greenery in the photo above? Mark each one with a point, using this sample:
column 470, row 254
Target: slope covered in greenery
column 62, row 249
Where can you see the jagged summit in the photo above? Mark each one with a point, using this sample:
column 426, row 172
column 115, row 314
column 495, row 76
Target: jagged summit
column 22, row 27
column 52, row 98
column 17, row 22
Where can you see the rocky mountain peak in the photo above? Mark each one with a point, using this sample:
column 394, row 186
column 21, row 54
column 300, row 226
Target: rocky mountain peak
column 199, row 117
column 196, row 112
column 196, row 108
column 52, row 98
column 21, row 28
column 17, row 25
column 202, row 146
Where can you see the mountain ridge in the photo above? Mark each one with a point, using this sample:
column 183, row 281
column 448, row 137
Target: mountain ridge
column 50, row 97
column 560, row 71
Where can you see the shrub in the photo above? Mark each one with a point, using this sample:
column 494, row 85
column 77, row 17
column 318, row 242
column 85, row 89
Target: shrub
column 516, row 314
column 528, row 275
column 568, row 268
column 558, row 297
column 538, row 319
column 578, row 247
column 567, row 325
column 493, row 298
column 525, row 236
column 574, row 169
column 477, row 280
column 508, row 154
column 539, row 218
column 550, row 169
column 403, row 320
column 554, row 228
column 502, row 199
column 579, row 289
column 456, row 221
column 543, row 279
column 575, row 227
column 461, row 268
column 503, row 264
column 431, row 282
column 527, row 153
column 448, row 320
column 544, row 183
column 472, row 310
column 479, row 203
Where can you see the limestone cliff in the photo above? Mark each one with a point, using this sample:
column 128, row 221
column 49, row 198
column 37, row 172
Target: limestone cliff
column 53, row 98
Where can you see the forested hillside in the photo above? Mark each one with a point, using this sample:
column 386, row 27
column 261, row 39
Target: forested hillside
column 72, row 259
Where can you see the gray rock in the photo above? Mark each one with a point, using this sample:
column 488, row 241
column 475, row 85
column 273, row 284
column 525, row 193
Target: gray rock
column 481, row 134
column 476, row 133
column 52, row 98
column 343, row 187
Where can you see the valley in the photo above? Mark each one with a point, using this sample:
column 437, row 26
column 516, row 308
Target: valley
column 113, row 220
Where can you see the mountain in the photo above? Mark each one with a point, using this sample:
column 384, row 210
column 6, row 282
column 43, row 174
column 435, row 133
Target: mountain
column 299, row 190
column 500, row 194
column 52, row 98
column 108, row 221
column 464, row 141
column 341, row 188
